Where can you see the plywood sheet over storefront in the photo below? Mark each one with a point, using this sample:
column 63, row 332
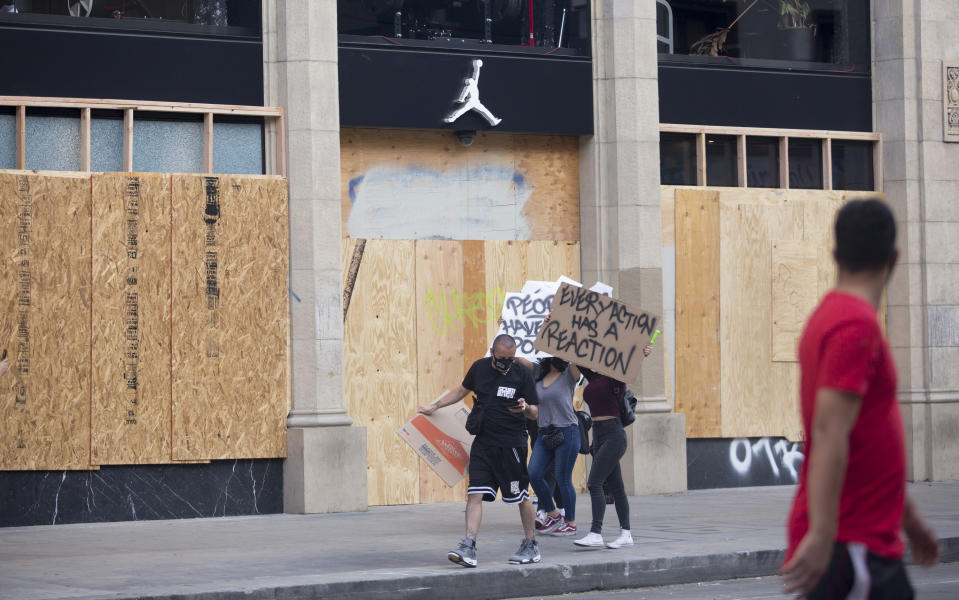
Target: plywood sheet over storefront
column 88, row 268
column 45, row 321
column 439, row 299
column 131, row 319
column 750, row 266
column 230, row 317
column 426, row 185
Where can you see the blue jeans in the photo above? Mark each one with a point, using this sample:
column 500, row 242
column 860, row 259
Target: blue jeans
column 564, row 456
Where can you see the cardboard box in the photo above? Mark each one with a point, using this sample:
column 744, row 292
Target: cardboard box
column 442, row 441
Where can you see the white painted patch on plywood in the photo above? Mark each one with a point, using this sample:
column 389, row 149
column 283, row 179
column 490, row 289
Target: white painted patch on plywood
column 472, row 204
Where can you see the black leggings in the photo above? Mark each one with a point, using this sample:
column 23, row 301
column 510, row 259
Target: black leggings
column 609, row 445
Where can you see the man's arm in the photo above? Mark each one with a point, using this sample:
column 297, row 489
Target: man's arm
column 922, row 539
column 450, row 397
column 834, row 415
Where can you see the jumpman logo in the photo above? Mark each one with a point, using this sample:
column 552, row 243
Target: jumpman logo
column 469, row 98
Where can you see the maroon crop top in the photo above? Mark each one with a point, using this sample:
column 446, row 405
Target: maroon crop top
column 602, row 394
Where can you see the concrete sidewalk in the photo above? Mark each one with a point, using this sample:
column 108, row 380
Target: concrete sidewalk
column 400, row 552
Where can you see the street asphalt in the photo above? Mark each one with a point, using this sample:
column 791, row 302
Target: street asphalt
column 399, row 552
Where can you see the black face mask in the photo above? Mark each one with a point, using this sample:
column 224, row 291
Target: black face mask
column 559, row 364
column 502, row 364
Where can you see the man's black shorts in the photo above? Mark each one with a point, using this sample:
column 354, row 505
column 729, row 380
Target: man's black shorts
column 496, row 468
column 854, row 573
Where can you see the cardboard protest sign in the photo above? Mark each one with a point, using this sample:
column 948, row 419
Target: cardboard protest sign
column 601, row 333
column 442, row 441
column 523, row 313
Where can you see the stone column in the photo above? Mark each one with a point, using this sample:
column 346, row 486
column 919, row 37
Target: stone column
column 620, row 221
column 911, row 40
column 325, row 469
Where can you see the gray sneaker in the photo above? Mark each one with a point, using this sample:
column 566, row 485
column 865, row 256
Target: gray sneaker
column 528, row 553
column 464, row 554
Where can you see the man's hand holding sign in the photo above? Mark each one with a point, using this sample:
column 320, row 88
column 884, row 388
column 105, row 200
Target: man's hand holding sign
column 597, row 332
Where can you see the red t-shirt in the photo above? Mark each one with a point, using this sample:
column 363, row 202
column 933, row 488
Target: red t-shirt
column 844, row 348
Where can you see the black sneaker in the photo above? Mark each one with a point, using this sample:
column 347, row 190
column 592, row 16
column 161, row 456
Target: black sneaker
column 464, row 554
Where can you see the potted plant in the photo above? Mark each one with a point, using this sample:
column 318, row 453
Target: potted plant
column 798, row 32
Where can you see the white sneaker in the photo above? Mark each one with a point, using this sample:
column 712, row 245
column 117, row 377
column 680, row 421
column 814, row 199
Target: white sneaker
column 591, row 540
column 625, row 539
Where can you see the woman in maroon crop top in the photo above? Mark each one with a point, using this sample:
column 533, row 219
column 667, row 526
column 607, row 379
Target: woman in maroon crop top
column 602, row 394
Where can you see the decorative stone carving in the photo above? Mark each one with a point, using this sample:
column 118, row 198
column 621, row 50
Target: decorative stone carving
column 950, row 101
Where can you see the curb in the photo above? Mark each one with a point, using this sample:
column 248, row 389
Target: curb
column 539, row 580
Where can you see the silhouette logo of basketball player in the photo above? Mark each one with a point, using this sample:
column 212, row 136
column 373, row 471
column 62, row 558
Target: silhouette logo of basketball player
column 469, row 98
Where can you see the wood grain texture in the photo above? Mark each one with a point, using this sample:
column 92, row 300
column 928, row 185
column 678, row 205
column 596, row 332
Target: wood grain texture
column 131, row 319
column 698, row 391
column 45, row 321
column 379, row 364
column 758, row 395
column 444, row 311
column 794, row 284
column 230, row 317
column 543, row 177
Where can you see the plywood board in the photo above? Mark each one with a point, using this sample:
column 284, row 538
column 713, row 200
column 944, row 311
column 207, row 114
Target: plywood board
column 230, row 317
column 426, row 185
column 758, row 395
column 45, row 321
column 795, row 280
column 379, row 363
column 131, row 319
column 698, row 392
column 444, row 311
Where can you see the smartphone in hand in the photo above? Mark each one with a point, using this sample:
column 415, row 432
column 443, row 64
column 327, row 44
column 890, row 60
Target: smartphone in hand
column 4, row 355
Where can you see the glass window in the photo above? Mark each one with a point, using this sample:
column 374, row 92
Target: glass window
column 819, row 33
column 852, row 165
column 52, row 143
column 8, row 139
column 805, row 164
column 721, row 160
column 677, row 159
column 238, row 147
column 165, row 146
column 560, row 27
column 106, row 141
column 134, row 13
column 762, row 162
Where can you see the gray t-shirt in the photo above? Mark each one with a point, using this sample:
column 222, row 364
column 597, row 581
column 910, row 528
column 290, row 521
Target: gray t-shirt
column 556, row 401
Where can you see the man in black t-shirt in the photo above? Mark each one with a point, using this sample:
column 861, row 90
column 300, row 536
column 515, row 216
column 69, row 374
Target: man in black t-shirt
column 505, row 398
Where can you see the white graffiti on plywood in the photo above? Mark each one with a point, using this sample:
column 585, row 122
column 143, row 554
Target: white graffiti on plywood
column 783, row 457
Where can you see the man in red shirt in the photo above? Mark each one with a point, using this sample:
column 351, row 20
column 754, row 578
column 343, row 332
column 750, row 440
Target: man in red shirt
column 845, row 522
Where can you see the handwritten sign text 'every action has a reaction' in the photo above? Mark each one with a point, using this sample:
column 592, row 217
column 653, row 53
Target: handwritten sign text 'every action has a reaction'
column 597, row 332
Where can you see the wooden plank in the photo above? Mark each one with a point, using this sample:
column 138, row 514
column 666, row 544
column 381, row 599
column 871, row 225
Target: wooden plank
column 697, row 311
column 208, row 143
column 21, row 144
column 502, row 187
column 45, row 397
column 795, row 279
column 742, row 179
column 768, row 131
column 784, row 163
column 701, row 159
column 230, row 317
column 281, row 144
column 128, row 140
column 85, row 139
column 442, row 313
column 380, row 367
column 758, row 395
column 150, row 105
column 827, row 163
column 131, row 319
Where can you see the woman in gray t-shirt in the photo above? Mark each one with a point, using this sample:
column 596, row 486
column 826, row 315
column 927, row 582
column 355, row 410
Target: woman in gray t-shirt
column 556, row 380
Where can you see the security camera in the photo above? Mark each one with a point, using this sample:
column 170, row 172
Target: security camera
column 466, row 137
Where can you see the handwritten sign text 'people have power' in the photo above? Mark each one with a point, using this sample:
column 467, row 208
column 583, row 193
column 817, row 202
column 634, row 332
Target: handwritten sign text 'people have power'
column 597, row 332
